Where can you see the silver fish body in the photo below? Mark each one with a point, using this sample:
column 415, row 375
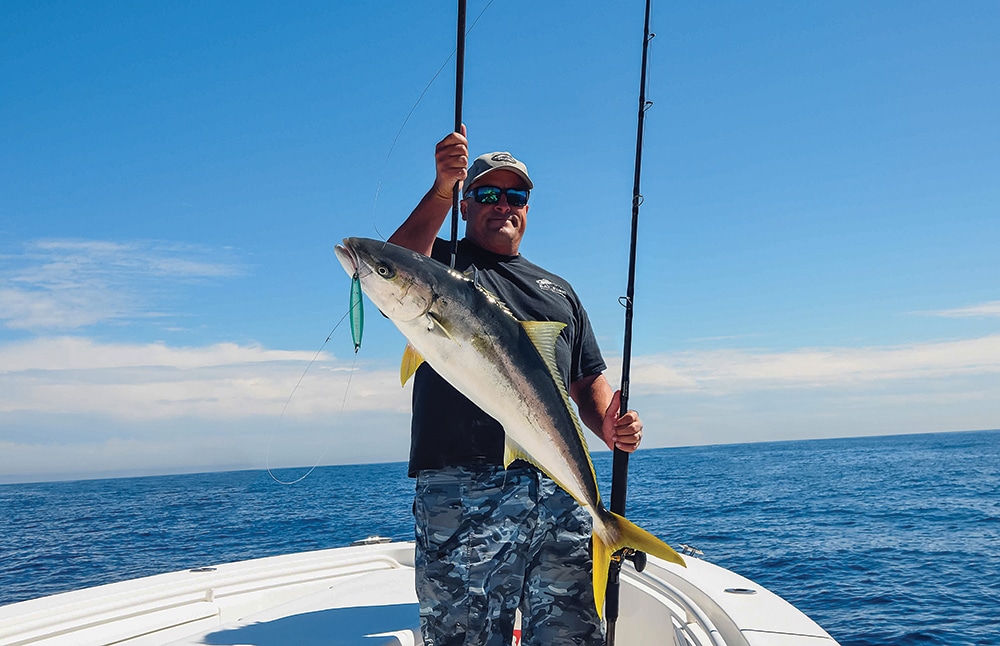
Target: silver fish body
column 505, row 366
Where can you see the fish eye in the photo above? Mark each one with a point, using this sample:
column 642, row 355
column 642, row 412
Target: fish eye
column 385, row 271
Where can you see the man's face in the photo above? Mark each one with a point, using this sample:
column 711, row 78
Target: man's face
column 496, row 227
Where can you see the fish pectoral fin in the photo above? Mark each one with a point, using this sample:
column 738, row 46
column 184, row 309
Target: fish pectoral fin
column 435, row 325
column 411, row 361
column 627, row 534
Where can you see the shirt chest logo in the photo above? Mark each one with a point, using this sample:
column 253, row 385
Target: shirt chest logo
column 547, row 285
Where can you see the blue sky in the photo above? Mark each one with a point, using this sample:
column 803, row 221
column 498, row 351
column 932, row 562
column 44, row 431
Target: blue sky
column 818, row 243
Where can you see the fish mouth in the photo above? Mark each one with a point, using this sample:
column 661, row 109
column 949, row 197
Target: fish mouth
column 347, row 256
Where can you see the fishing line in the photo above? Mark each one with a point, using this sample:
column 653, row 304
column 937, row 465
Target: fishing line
column 356, row 311
column 343, row 405
column 392, row 146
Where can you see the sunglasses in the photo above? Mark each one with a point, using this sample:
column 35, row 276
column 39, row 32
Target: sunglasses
column 491, row 195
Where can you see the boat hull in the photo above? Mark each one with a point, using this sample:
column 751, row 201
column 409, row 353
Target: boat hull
column 364, row 595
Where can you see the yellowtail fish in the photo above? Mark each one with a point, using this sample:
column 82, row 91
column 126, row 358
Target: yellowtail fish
column 505, row 366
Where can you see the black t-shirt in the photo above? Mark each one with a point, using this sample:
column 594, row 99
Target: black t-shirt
column 449, row 430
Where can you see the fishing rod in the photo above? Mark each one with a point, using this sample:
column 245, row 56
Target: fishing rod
column 459, row 86
column 619, row 474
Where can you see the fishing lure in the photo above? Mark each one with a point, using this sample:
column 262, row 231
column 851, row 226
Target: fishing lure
column 357, row 312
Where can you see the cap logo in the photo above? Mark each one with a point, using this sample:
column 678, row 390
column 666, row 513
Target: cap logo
column 504, row 158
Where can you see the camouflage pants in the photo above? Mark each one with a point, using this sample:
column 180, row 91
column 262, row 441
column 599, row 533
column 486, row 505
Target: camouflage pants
column 490, row 541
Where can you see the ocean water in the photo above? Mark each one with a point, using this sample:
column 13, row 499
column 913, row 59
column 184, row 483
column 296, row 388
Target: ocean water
column 882, row 540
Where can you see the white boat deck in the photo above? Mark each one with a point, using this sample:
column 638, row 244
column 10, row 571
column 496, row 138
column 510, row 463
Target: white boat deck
column 364, row 595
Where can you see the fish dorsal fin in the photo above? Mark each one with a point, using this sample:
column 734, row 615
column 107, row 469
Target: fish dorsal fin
column 411, row 361
column 543, row 335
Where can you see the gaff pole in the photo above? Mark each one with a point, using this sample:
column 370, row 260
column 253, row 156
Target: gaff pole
column 459, row 86
column 619, row 476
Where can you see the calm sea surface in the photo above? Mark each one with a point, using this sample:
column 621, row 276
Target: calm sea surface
column 882, row 540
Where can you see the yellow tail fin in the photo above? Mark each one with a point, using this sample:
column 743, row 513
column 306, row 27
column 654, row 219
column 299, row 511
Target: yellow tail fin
column 629, row 535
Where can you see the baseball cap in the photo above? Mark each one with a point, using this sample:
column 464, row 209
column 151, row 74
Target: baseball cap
column 502, row 160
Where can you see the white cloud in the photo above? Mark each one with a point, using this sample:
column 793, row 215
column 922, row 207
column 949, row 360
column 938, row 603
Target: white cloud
column 71, row 375
column 74, row 405
column 983, row 310
column 727, row 396
column 173, row 447
column 725, row 371
column 69, row 284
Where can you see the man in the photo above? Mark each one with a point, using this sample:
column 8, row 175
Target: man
column 491, row 540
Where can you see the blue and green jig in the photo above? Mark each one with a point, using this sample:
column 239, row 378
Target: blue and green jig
column 357, row 312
